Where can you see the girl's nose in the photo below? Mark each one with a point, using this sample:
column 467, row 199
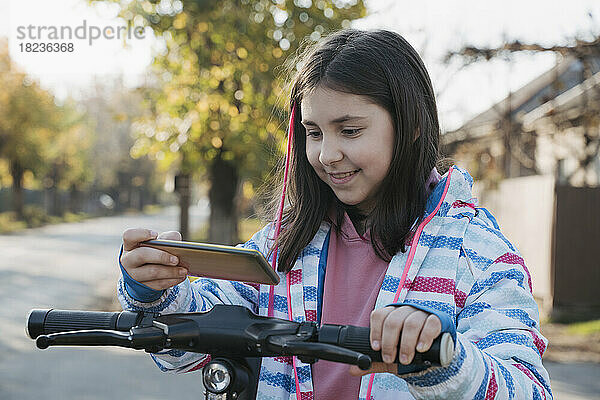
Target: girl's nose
column 330, row 151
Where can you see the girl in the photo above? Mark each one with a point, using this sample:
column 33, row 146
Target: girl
column 370, row 225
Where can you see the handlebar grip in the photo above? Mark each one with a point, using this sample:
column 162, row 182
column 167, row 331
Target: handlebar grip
column 44, row 322
column 358, row 339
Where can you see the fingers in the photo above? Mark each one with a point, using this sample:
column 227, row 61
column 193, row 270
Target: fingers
column 413, row 324
column 132, row 237
column 147, row 255
column 392, row 327
column 430, row 331
column 153, row 272
column 154, row 268
column 170, row 235
column 376, row 323
column 402, row 329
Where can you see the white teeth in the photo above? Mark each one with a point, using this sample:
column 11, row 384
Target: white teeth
column 342, row 176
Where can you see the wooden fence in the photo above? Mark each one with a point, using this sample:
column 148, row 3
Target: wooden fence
column 576, row 253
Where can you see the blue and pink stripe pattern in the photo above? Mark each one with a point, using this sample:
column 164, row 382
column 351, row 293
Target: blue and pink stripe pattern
column 458, row 262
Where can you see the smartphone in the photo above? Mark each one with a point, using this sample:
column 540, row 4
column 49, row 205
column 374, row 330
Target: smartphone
column 219, row 261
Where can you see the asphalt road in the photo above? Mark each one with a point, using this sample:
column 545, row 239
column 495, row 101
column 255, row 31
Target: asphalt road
column 69, row 266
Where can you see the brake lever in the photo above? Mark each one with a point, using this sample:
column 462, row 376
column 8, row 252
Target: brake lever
column 148, row 338
column 291, row 345
column 94, row 337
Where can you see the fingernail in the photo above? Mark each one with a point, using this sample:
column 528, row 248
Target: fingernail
column 387, row 359
column 404, row 359
column 174, row 260
column 182, row 272
column 420, row 346
column 153, row 234
column 375, row 345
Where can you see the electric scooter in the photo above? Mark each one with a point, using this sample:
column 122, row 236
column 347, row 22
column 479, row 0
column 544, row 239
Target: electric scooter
column 234, row 337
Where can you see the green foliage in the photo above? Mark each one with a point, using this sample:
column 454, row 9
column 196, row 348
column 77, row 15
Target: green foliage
column 220, row 88
column 75, row 217
column 74, row 146
column 35, row 216
column 10, row 223
column 585, row 328
column 152, row 209
column 38, row 137
column 28, row 121
column 67, row 156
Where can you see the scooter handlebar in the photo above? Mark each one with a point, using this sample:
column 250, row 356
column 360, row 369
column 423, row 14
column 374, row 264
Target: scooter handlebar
column 48, row 321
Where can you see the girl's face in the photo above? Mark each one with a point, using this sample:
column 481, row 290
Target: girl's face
column 349, row 144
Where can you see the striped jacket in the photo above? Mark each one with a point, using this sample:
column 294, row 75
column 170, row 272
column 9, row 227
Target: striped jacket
column 458, row 262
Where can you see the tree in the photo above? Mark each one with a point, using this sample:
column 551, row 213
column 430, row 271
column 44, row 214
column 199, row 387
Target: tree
column 67, row 159
column 111, row 111
column 216, row 107
column 28, row 123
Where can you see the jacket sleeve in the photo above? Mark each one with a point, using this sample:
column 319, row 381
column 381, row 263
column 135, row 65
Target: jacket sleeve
column 199, row 295
column 499, row 348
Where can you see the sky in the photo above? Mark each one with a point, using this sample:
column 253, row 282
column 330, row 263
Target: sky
column 433, row 27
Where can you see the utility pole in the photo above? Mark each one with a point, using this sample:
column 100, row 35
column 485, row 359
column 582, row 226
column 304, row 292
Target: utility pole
column 183, row 189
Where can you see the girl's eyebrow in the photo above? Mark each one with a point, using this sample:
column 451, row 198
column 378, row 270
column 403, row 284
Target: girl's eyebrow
column 339, row 120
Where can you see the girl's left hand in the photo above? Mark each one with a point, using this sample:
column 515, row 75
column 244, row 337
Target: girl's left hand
column 414, row 329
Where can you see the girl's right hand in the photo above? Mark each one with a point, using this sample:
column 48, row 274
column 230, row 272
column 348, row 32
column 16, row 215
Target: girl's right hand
column 154, row 268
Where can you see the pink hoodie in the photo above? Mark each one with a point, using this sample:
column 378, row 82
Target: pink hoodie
column 352, row 282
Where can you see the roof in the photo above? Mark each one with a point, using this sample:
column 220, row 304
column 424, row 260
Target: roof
column 560, row 80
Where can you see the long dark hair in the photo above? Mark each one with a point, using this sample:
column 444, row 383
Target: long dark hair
column 384, row 67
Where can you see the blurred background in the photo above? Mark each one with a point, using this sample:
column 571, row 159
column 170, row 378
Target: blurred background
column 181, row 129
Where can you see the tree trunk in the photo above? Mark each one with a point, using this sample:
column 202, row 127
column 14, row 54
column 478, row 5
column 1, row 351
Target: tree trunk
column 57, row 206
column 183, row 188
column 223, row 212
column 122, row 198
column 143, row 195
column 184, row 215
column 17, row 171
column 74, row 199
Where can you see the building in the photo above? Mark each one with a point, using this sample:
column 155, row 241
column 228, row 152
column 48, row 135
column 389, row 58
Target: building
column 535, row 156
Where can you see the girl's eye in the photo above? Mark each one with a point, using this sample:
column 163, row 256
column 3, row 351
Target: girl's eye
column 313, row 134
column 351, row 131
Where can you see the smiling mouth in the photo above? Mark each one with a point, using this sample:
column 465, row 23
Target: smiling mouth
column 344, row 174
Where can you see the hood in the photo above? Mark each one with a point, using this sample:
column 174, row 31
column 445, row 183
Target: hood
column 456, row 198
